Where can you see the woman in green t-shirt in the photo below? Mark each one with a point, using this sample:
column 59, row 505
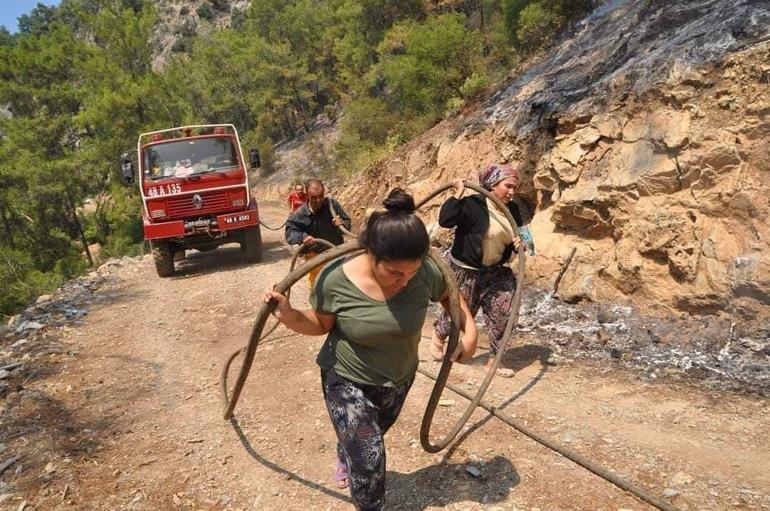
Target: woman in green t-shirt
column 372, row 306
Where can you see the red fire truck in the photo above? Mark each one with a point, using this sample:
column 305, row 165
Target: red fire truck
column 195, row 192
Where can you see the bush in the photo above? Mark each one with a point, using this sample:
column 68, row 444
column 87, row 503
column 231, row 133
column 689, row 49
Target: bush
column 204, row 11
column 182, row 45
column 537, row 26
column 533, row 24
column 118, row 246
column 512, row 13
column 394, row 140
column 369, row 118
column 20, row 282
column 330, row 111
column 352, row 154
column 474, row 85
column 425, row 64
column 237, row 18
column 453, row 106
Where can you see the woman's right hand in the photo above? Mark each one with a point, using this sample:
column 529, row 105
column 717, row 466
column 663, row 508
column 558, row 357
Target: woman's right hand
column 282, row 307
column 459, row 187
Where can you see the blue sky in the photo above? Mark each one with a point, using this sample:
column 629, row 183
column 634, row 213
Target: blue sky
column 12, row 9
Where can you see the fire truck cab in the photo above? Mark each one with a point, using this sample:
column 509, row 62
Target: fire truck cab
column 195, row 192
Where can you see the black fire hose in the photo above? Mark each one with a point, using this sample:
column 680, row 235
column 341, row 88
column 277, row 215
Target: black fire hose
column 446, row 366
column 263, row 224
column 441, row 379
column 345, row 232
column 283, row 286
column 513, row 319
column 226, row 368
column 564, row 451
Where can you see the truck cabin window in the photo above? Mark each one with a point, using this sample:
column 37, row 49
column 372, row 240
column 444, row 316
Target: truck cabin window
column 182, row 158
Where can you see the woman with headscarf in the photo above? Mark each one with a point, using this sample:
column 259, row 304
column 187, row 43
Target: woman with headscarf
column 483, row 244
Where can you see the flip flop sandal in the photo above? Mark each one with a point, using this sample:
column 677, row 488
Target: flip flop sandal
column 341, row 476
column 503, row 372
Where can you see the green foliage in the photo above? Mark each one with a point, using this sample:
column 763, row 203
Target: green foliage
column 453, row 106
column 20, row 281
column 79, row 82
column 135, row 5
column 6, row 39
column 533, row 24
column 237, row 18
column 512, row 12
column 183, row 44
column 204, row 11
column 369, row 119
column 353, row 154
column 537, row 25
column 266, row 152
column 424, row 64
column 474, row 85
column 38, row 21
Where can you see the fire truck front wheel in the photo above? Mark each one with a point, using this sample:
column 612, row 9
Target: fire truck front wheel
column 251, row 244
column 163, row 255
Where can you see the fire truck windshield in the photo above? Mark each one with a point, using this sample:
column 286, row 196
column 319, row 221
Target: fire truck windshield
column 185, row 157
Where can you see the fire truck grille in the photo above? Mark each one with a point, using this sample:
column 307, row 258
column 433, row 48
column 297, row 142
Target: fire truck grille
column 204, row 203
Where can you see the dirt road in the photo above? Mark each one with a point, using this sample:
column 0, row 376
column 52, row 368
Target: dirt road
column 127, row 416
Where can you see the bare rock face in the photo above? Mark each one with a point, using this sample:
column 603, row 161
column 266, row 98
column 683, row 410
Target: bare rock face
column 644, row 140
column 177, row 17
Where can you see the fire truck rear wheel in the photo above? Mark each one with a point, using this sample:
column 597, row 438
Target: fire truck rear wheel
column 251, row 245
column 163, row 255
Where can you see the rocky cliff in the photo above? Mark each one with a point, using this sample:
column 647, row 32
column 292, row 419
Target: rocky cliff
column 180, row 19
column 644, row 141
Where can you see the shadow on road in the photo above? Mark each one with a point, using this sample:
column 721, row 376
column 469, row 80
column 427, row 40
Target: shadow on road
column 445, row 483
column 517, row 359
column 436, row 485
column 279, row 469
column 226, row 257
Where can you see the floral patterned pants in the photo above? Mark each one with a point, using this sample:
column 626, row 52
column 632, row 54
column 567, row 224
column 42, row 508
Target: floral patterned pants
column 491, row 289
column 361, row 415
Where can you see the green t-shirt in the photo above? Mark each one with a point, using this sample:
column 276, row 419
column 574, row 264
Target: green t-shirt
column 374, row 342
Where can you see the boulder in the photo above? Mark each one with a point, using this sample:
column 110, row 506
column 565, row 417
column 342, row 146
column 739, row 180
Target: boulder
column 578, row 210
column 751, row 278
column 670, row 127
column 637, row 165
column 608, row 126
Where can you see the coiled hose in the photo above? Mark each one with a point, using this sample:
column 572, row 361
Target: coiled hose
column 441, row 379
column 454, row 302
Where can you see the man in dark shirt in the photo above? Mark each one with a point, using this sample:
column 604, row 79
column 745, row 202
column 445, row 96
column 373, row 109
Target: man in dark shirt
column 318, row 218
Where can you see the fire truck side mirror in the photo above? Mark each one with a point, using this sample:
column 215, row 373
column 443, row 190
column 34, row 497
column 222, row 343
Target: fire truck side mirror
column 126, row 168
column 254, row 159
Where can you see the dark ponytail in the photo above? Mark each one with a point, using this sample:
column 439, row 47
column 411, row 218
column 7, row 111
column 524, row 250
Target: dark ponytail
column 395, row 234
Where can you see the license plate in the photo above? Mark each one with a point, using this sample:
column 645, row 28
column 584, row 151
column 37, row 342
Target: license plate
column 236, row 219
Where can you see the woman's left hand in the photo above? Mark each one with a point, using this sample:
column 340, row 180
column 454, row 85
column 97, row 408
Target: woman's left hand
column 282, row 307
column 518, row 244
column 467, row 345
